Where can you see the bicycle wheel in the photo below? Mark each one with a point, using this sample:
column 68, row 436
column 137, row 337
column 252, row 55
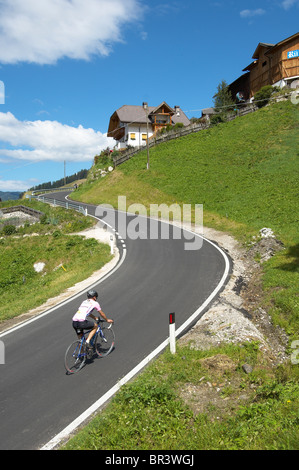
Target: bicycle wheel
column 75, row 357
column 105, row 341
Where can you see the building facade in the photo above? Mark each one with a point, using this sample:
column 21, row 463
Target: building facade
column 274, row 64
column 132, row 125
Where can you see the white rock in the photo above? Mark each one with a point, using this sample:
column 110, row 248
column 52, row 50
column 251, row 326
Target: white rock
column 267, row 233
column 38, row 267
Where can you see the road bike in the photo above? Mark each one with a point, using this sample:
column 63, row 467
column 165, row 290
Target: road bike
column 77, row 353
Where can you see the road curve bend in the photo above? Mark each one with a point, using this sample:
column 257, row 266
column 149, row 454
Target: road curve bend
column 39, row 403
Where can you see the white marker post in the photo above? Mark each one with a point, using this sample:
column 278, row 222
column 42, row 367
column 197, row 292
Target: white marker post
column 172, row 332
column 111, row 244
column 2, row 353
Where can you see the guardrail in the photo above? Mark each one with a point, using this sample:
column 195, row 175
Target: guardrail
column 192, row 128
column 196, row 127
column 65, row 204
column 52, row 190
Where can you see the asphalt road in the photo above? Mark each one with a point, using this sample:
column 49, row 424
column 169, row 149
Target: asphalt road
column 156, row 277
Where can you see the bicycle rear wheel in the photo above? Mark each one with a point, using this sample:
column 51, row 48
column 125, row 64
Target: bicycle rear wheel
column 75, row 357
column 105, row 341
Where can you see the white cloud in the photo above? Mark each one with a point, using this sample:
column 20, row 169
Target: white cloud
column 45, row 31
column 49, row 140
column 14, row 185
column 287, row 4
column 251, row 13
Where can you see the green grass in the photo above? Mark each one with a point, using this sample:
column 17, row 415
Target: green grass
column 68, row 259
column 150, row 413
column 67, row 221
column 245, row 173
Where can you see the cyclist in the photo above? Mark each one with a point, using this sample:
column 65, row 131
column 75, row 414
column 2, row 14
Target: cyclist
column 86, row 309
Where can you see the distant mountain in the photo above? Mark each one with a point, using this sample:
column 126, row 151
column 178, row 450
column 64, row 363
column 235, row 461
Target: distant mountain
column 6, row 196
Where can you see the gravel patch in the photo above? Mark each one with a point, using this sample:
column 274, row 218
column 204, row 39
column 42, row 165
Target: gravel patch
column 236, row 316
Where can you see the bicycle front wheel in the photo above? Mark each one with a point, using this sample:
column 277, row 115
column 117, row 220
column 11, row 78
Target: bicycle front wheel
column 75, row 357
column 105, row 341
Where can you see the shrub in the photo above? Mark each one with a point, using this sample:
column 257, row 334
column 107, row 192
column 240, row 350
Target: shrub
column 9, row 229
column 178, row 126
column 262, row 96
column 44, row 219
column 217, row 118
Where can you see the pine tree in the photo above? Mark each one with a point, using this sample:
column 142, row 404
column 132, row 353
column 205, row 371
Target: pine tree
column 223, row 100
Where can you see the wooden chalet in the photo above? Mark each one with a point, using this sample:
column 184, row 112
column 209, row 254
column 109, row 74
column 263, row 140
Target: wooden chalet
column 274, row 64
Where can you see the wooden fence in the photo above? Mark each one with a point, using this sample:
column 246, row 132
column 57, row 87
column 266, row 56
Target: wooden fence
column 196, row 127
column 24, row 209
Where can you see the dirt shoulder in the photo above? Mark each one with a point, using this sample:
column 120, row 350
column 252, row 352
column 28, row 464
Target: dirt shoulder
column 236, row 316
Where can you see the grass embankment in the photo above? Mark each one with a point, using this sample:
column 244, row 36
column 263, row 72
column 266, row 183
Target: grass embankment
column 172, row 405
column 246, row 175
column 68, row 258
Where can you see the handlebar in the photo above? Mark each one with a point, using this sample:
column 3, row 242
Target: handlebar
column 99, row 320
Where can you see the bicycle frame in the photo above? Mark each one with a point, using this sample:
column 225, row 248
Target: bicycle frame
column 93, row 339
column 79, row 352
column 86, row 333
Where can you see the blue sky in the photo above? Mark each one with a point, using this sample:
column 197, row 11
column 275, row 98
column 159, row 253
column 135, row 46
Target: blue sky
column 67, row 65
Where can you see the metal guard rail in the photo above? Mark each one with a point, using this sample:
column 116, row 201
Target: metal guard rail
column 52, row 190
column 65, row 204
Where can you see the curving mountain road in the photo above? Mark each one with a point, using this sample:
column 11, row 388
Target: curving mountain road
column 154, row 278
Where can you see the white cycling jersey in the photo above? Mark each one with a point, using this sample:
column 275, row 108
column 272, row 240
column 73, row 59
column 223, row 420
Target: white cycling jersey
column 85, row 309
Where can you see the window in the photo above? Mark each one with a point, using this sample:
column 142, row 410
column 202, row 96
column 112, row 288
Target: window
column 143, row 136
column 133, row 136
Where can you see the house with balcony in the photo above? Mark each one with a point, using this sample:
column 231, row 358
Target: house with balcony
column 273, row 64
column 131, row 125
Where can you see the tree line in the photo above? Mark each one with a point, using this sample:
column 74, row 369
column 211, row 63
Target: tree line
column 57, row 184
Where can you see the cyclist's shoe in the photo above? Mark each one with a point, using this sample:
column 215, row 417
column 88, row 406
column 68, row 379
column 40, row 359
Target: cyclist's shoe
column 89, row 346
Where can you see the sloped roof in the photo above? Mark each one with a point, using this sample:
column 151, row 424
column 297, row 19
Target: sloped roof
column 136, row 114
column 131, row 113
column 282, row 42
column 163, row 104
column 270, row 47
column 259, row 46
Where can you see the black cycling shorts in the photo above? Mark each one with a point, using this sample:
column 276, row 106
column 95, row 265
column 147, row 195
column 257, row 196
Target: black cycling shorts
column 83, row 325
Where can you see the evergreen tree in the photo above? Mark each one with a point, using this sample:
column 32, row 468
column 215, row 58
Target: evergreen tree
column 223, row 100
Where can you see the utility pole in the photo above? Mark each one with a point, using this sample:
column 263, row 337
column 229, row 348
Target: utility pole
column 145, row 107
column 64, row 174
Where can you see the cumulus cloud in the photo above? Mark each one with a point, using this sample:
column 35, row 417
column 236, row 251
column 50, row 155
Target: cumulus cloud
column 251, row 13
column 49, row 140
column 45, row 31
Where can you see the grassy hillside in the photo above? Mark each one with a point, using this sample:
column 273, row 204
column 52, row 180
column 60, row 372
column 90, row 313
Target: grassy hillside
column 7, row 195
column 246, row 174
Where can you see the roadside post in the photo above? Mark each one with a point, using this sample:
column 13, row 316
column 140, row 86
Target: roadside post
column 2, row 353
column 111, row 244
column 172, row 332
